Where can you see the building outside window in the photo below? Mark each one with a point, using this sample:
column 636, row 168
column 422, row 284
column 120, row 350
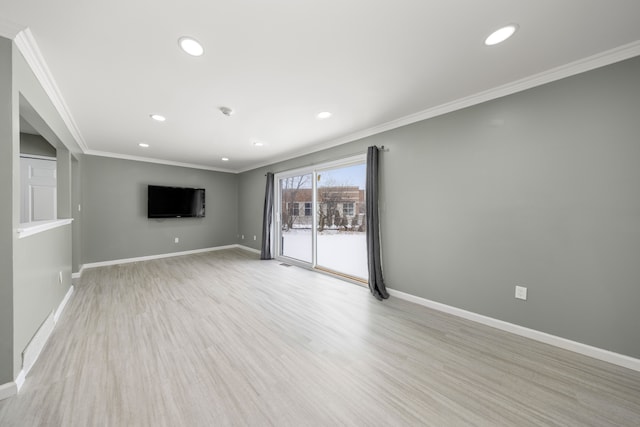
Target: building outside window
column 347, row 209
column 294, row 209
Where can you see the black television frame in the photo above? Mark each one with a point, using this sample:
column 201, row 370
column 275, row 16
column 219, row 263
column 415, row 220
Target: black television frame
column 175, row 202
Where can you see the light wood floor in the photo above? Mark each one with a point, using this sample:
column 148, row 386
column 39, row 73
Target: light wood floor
column 225, row 339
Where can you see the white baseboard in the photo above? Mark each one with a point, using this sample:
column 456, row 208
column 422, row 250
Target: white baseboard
column 248, row 249
column 152, row 257
column 34, row 348
column 20, row 379
column 159, row 256
column 576, row 347
column 63, row 304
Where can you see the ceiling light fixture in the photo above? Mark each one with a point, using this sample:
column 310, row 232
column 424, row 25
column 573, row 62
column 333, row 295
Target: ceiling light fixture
column 501, row 35
column 143, row 145
column 191, row 46
column 324, row 115
column 158, row 117
column 225, row 159
column 258, row 144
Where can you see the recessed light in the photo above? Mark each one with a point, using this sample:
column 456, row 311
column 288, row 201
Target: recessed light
column 324, row 115
column 158, row 117
column 143, row 145
column 258, row 144
column 191, row 46
column 501, row 35
column 225, row 159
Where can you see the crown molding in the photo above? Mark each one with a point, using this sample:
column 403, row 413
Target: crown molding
column 27, row 45
column 156, row 161
column 10, row 30
column 602, row 59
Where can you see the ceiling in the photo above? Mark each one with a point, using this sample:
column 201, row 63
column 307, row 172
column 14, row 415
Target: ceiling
column 373, row 64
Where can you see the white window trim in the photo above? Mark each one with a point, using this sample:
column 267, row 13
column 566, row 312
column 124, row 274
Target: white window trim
column 313, row 170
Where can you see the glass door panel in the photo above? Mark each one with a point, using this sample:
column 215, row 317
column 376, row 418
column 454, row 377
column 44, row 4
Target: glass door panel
column 341, row 227
column 296, row 217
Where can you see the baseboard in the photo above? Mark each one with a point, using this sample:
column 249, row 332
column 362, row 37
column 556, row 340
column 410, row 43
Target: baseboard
column 75, row 277
column 152, row 257
column 34, row 348
column 63, row 304
column 32, row 351
column 576, row 347
column 20, row 379
column 7, row 390
column 248, row 249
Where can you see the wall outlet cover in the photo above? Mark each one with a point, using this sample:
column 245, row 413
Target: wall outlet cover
column 521, row 292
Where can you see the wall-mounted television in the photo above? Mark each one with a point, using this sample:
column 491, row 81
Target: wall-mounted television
column 175, row 202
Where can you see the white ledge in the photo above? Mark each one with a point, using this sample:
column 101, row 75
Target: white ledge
column 32, row 228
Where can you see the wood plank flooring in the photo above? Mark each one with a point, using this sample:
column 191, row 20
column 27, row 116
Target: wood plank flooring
column 223, row 338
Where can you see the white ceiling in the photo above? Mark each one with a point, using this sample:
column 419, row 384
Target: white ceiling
column 278, row 63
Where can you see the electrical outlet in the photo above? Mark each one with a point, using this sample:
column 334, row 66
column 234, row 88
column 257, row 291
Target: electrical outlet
column 254, row 237
column 60, row 277
column 243, row 237
column 521, row 292
column 176, row 240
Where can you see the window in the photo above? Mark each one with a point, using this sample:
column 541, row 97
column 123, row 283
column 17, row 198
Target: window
column 347, row 209
column 293, row 209
column 332, row 194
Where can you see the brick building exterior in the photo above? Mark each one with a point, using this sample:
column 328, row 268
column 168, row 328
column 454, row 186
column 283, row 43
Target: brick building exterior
column 339, row 207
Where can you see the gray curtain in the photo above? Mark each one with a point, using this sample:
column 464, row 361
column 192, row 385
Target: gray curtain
column 265, row 250
column 376, row 281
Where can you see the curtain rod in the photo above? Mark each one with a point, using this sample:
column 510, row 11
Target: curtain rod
column 382, row 148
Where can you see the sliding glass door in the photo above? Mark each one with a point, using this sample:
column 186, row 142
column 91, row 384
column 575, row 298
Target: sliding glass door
column 320, row 217
column 295, row 220
column 341, row 227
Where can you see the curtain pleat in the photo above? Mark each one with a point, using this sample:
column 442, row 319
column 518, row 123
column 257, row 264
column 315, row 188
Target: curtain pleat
column 376, row 280
column 265, row 250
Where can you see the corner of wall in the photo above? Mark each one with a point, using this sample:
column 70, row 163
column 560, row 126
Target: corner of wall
column 8, row 390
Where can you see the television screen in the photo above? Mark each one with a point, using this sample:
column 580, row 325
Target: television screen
column 175, row 202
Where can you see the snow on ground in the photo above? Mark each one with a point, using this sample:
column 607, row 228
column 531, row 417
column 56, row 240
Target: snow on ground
column 339, row 251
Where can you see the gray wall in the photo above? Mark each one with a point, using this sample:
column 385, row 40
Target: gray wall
column 76, row 246
column 7, row 220
column 63, row 182
column 114, row 210
column 37, row 290
column 35, row 144
column 539, row 188
column 26, row 297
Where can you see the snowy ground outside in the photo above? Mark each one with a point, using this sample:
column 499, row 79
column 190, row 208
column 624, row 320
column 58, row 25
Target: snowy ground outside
column 343, row 252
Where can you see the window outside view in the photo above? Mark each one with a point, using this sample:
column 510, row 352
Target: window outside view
column 341, row 223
